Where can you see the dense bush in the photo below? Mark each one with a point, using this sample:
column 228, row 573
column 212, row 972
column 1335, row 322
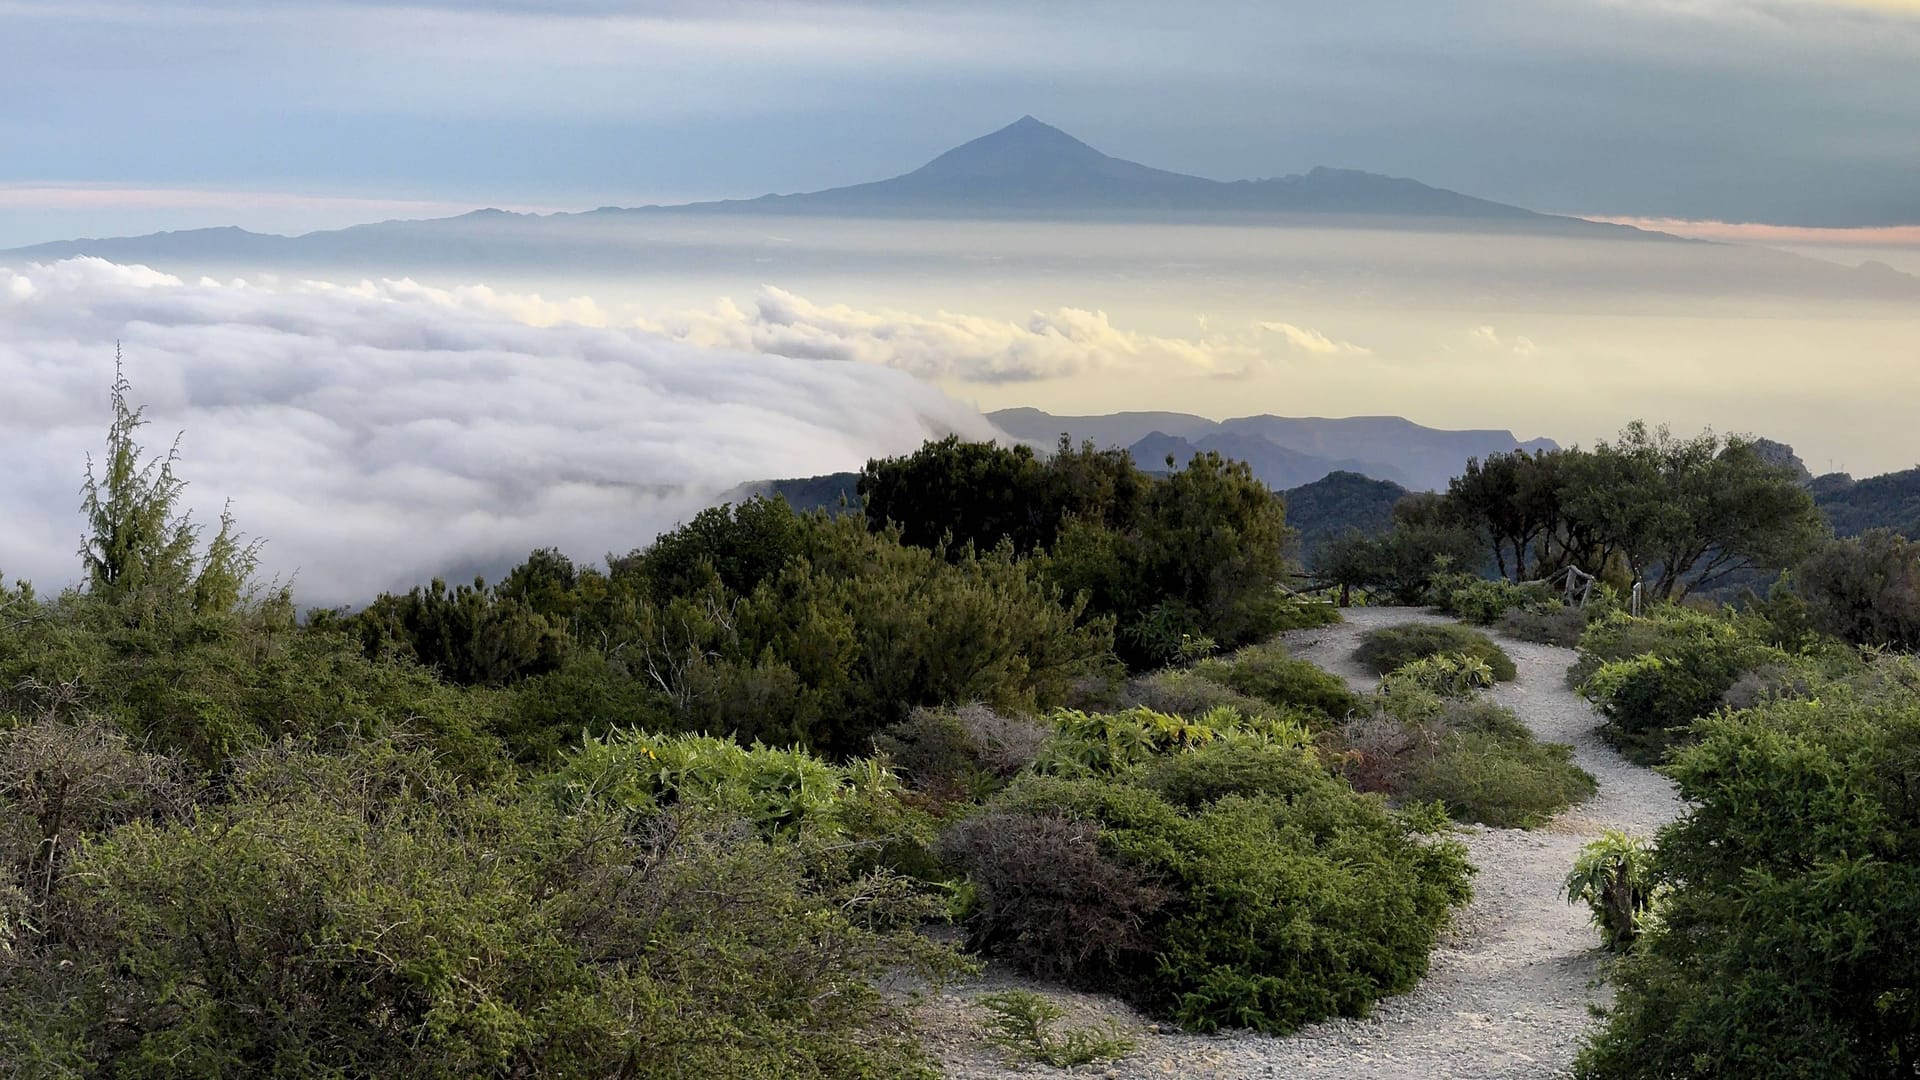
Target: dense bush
column 1783, row 943
column 1383, row 650
column 1504, row 782
column 1652, row 676
column 366, row 913
column 1268, row 674
column 1367, row 891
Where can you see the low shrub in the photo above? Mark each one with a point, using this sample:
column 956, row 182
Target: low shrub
column 371, row 914
column 1118, row 744
column 1504, row 782
column 1686, row 665
column 1283, row 909
column 1472, row 756
column 1553, row 624
column 1446, row 675
column 1281, row 613
column 1188, row 693
column 1266, row 672
column 1047, row 897
column 783, row 793
column 1390, row 647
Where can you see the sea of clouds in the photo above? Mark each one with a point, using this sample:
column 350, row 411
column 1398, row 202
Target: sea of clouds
column 381, row 434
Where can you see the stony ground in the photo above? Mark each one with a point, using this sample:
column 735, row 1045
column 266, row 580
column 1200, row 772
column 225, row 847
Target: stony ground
column 1511, row 982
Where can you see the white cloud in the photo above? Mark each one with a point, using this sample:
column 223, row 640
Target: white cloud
column 1313, row 341
column 971, row 348
column 1518, row 345
column 382, row 433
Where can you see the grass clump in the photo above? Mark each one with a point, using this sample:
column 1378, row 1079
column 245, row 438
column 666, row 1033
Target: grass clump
column 1022, row 1023
column 1390, row 647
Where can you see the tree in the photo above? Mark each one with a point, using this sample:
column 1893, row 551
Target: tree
column 1865, row 589
column 1687, row 513
column 139, row 551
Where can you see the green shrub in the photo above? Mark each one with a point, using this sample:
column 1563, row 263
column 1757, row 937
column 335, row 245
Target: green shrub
column 1483, row 601
column 1115, row 744
column 1285, row 909
column 1470, row 755
column 1447, row 675
column 1614, row 877
column 1783, row 947
column 1280, row 613
column 1504, row 782
column 783, row 793
column 369, row 914
column 1266, row 672
column 1687, row 663
column 1390, row 647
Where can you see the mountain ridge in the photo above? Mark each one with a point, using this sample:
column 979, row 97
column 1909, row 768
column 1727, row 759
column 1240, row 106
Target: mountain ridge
column 1028, row 168
column 1388, row 448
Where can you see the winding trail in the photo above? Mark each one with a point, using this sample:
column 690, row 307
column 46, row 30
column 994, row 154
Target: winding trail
column 1512, row 979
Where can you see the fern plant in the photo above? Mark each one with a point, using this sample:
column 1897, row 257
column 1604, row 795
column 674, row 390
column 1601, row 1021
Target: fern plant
column 1022, row 1023
column 1613, row 876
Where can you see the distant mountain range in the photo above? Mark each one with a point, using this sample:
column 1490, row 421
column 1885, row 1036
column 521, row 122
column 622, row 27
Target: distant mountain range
column 1286, row 452
column 1027, row 169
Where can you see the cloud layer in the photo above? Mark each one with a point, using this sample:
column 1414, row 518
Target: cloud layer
column 380, row 434
column 956, row 347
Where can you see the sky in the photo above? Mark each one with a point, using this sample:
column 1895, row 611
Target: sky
column 287, row 115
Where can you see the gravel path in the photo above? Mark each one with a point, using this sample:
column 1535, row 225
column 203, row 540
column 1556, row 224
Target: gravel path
column 1511, row 981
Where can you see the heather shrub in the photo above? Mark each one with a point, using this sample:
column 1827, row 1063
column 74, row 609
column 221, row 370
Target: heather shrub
column 962, row 753
column 1390, row 647
column 1047, row 898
